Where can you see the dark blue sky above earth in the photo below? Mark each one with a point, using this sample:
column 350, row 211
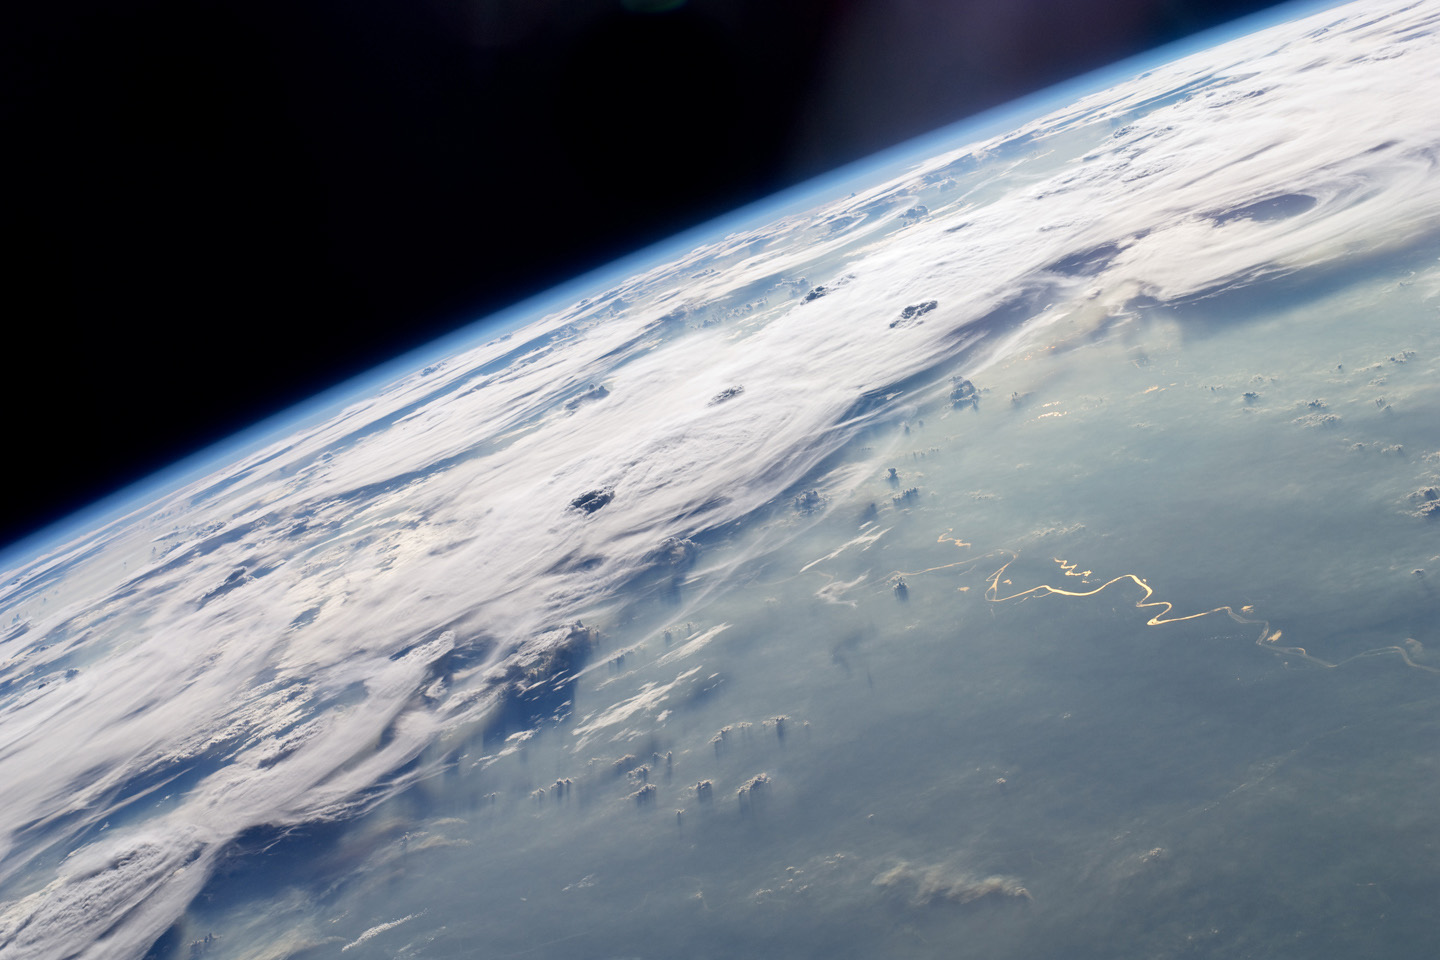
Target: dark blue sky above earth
column 223, row 207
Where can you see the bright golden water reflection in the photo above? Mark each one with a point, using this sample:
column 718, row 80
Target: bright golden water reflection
column 1268, row 638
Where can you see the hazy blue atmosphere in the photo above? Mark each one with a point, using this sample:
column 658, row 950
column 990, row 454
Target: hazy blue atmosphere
column 1030, row 553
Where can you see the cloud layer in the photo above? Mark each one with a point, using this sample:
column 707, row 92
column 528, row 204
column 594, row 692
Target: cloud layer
column 290, row 638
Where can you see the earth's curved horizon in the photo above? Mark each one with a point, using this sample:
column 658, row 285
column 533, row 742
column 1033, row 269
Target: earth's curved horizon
column 1028, row 547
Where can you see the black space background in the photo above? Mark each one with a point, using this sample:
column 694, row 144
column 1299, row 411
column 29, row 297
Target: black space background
column 216, row 208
